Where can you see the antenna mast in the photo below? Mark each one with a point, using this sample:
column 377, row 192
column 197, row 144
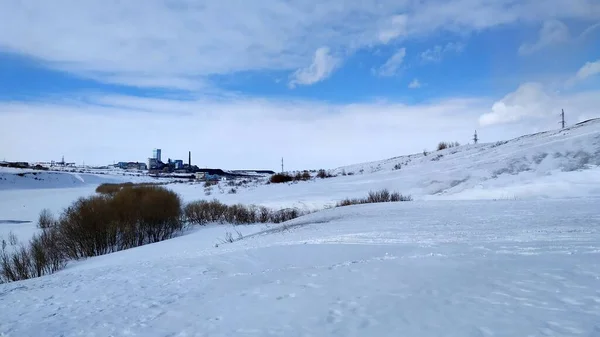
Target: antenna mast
column 475, row 139
column 562, row 118
column 281, row 164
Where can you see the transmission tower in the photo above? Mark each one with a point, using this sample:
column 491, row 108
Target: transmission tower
column 562, row 115
column 475, row 139
column 281, row 164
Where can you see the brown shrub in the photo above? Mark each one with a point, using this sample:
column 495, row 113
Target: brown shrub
column 203, row 212
column 46, row 219
column 279, row 178
column 447, row 145
column 375, row 197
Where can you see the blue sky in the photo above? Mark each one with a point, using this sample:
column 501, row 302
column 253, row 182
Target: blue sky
column 325, row 84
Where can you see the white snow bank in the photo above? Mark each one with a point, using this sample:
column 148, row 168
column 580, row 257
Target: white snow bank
column 554, row 164
column 504, row 268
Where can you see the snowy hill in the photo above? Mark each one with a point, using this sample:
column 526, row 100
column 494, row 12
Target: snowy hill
column 505, row 268
column 553, row 164
column 527, row 160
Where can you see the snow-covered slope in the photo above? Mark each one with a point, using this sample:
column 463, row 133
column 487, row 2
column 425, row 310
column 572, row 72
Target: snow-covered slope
column 435, row 268
column 554, row 164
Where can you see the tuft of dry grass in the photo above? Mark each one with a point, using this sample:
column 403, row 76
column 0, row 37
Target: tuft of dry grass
column 375, row 197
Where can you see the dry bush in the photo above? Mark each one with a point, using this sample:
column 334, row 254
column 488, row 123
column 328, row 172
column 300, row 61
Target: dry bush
column 108, row 188
column 279, row 178
column 129, row 218
column 42, row 256
column 447, row 145
column 379, row 196
column 323, row 174
column 12, row 239
column 375, row 197
column 203, row 212
column 46, row 219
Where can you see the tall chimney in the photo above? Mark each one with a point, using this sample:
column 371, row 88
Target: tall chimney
column 190, row 159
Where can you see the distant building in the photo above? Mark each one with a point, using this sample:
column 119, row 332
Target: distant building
column 156, row 154
column 178, row 163
column 132, row 165
column 200, row 175
column 153, row 163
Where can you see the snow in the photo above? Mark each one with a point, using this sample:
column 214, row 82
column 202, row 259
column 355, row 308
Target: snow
column 501, row 240
column 451, row 268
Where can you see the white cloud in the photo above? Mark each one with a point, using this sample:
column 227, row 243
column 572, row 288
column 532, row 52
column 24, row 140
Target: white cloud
column 390, row 67
column 393, row 28
column 164, row 42
column 588, row 70
column 436, row 53
column 532, row 103
column 254, row 133
column 552, row 32
column 243, row 132
column 322, row 66
column 415, row 84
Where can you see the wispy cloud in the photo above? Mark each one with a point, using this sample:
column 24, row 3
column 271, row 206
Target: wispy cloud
column 390, row 67
column 322, row 66
column 414, row 84
column 393, row 28
column 437, row 53
column 552, row 32
column 172, row 43
column 588, row 70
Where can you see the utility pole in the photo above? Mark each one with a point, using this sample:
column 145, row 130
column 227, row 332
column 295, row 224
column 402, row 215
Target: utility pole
column 563, row 118
column 475, row 139
column 281, row 164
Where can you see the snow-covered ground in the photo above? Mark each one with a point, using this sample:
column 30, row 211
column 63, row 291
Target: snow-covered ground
column 436, row 268
column 453, row 263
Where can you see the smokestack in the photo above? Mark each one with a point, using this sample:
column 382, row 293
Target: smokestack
column 190, row 159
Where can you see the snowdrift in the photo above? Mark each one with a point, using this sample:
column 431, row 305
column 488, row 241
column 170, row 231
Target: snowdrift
column 482, row 268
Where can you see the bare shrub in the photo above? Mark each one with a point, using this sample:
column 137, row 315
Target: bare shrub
column 281, row 178
column 132, row 217
column 397, row 166
column 232, row 191
column 46, row 219
column 203, row 212
column 210, row 183
column 12, row 239
column 323, row 174
column 378, row 196
column 447, row 145
column 395, row 197
column 375, row 197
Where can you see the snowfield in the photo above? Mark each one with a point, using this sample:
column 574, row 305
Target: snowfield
column 503, row 239
column 445, row 268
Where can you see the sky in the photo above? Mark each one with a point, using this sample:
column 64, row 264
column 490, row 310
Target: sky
column 322, row 84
